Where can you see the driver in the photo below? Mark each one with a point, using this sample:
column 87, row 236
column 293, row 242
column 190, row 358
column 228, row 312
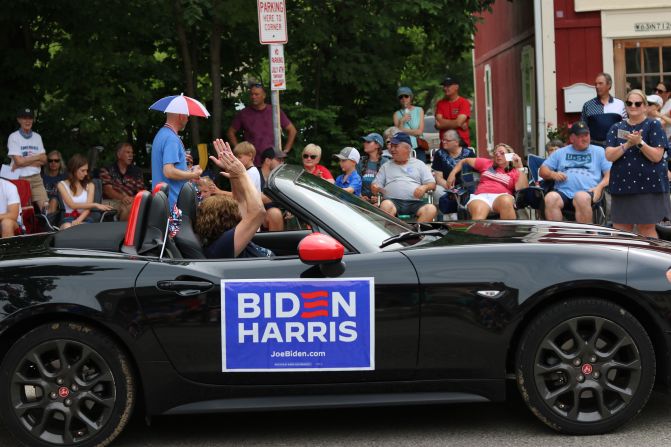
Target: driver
column 226, row 225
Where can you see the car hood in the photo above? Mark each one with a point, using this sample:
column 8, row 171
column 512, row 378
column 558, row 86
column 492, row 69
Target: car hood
column 543, row 232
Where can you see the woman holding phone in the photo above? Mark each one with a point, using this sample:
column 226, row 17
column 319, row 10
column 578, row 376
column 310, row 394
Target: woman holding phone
column 639, row 185
column 410, row 119
column 500, row 177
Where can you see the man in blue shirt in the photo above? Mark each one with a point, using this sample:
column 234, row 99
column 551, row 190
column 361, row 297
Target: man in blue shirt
column 168, row 157
column 602, row 111
column 580, row 173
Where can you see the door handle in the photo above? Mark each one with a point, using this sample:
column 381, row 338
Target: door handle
column 185, row 288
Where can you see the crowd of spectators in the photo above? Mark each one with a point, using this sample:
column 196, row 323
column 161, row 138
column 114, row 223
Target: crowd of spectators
column 392, row 170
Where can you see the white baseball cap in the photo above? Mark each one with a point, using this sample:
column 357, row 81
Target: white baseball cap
column 349, row 153
column 655, row 99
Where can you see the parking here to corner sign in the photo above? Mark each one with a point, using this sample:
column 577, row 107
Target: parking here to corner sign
column 272, row 21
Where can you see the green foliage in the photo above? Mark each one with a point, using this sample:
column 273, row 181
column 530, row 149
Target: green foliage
column 93, row 68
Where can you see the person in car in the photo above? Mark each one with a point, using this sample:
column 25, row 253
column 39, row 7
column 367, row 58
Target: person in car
column 499, row 179
column 226, row 225
column 77, row 192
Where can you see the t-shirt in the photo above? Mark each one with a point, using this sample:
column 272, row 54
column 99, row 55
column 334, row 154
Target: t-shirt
column 495, row 180
column 401, row 181
column 444, row 163
column 128, row 183
column 9, row 195
column 255, row 176
column 353, row 180
column 367, row 170
column 18, row 144
column 451, row 110
column 325, row 173
column 415, row 121
column 224, row 247
column 167, row 148
column 584, row 169
column 257, row 126
column 633, row 172
column 599, row 117
column 50, row 184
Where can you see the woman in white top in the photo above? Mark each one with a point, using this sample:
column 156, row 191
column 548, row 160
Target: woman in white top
column 77, row 193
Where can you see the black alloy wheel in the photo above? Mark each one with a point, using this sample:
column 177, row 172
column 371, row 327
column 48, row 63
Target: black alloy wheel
column 585, row 366
column 66, row 384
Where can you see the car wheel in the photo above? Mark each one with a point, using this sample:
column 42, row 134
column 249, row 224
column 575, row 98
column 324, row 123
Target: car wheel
column 66, row 383
column 585, row 366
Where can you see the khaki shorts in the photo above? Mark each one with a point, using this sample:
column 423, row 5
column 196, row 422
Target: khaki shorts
column 37, row 191
column 122, row 209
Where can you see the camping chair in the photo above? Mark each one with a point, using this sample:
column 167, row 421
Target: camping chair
column 27, row 220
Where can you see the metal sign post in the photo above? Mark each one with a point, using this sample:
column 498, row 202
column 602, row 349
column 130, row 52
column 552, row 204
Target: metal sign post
column 273, row 31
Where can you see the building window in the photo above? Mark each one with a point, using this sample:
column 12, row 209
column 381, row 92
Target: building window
column 528, row 99
column 641, row 64
column 489, row 110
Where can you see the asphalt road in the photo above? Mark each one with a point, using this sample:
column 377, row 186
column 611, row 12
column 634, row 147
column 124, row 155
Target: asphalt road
column 482, row 425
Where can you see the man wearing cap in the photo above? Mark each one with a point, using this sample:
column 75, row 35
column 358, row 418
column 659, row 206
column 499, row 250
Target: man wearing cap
column 349, row 180
column 602, row 111
column 270, row 159
column 371, row 161
column 28, row 155
column 580, row 172
column 404, row 181
column 453, row 111
column 256, row 123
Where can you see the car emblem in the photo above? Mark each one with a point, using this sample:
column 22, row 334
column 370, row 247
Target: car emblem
column 586, row 369
column 63, row 392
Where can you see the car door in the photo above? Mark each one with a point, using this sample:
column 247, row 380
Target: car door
column 181, row 300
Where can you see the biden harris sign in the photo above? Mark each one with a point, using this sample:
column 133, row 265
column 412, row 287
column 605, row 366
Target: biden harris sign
column 298, row 325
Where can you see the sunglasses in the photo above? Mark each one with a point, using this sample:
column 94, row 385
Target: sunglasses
column 634, row 104
column 312, row 156
column 447, row 141
column 54, row 160
column 403, row 96
column 659, row 91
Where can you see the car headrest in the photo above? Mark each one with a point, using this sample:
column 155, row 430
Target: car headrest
column 137, row 222
column 187, row 201
column 163, row 186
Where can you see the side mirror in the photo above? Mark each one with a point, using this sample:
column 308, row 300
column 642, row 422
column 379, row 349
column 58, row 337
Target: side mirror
column 318, row 248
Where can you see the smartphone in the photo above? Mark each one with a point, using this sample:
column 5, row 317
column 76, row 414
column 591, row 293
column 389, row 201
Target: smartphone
column 509, row 157
column 622, row 134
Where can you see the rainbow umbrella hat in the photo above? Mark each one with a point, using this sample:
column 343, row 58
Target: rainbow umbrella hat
column 180, row 104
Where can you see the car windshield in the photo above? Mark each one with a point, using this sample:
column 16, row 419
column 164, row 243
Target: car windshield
column 338, row 205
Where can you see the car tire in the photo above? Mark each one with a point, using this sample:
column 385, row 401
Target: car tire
column 585, row 366
column 66, row 383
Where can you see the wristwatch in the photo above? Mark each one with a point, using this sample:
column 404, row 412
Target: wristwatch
column 639, row 145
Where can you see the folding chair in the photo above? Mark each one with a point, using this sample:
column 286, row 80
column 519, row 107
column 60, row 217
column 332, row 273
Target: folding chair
column 27, row 219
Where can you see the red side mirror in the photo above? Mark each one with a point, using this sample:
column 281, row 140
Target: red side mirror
column 318, row 248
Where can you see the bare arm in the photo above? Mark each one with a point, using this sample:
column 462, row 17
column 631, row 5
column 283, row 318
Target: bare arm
column 230, row 134
column 291, row 137
column 457, row 169
column 549, row 174
column 36, row 160
column 173, row 173
column 12, row 212
column 445, row 124
column 244, row 193
column 88, row 205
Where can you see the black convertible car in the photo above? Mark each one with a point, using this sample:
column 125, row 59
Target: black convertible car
column 355, row 308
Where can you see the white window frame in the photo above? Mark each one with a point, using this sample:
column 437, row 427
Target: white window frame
column 489, row 108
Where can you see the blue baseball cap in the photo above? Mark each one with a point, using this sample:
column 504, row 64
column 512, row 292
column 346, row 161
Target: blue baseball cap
column 404, row 91
column 401, row 137
column 374, row 137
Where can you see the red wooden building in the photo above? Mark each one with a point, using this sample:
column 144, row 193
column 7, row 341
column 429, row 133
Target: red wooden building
column 535, row 62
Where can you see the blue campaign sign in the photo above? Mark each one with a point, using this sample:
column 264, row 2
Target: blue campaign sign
column 298, row 324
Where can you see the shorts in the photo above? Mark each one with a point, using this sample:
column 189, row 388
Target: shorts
column 37, row 190
column 488, row 198
column 568, row 203
column 407, row 207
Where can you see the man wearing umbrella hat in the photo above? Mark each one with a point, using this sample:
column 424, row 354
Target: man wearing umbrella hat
column 168, row 155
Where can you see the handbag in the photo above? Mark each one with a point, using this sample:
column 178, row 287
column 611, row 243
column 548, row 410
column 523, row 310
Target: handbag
column 422, row 144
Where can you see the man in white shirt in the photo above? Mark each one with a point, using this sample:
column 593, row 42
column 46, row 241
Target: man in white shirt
column 9, row 208
column 28, row 155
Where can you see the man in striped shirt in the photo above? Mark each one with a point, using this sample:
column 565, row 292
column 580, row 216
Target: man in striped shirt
column 602, row 111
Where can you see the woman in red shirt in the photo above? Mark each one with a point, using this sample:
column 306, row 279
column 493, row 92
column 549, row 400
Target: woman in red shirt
column 499, row 179
column 311, row 156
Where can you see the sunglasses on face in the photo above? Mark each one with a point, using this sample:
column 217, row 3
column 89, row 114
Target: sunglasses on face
column 312, row 156
column 659, row 91
column 447, row 141
column 403, row 96
column 634, row 104
column 54, row 160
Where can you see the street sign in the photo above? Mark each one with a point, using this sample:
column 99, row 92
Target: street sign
column 278, row 79
column 272, row 21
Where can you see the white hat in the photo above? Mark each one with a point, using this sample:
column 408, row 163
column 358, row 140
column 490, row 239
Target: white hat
column 655, row 99
column 348, row 153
